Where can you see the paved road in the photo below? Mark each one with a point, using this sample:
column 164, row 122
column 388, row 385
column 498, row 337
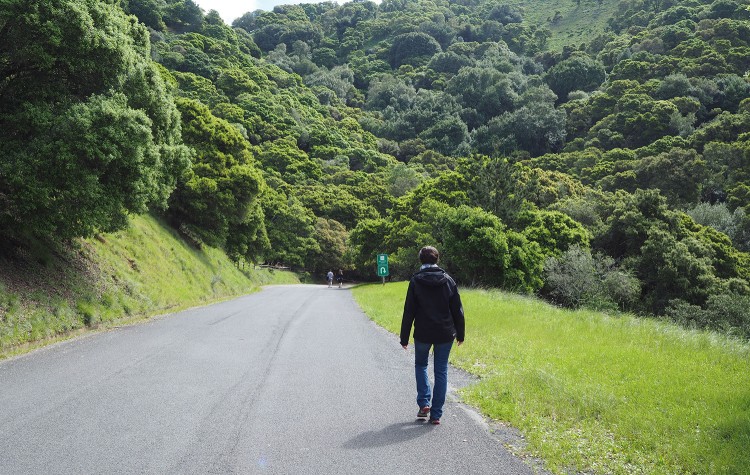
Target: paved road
column 293, row 379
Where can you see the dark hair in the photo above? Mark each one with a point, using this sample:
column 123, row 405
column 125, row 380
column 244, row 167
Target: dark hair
column 429, row 255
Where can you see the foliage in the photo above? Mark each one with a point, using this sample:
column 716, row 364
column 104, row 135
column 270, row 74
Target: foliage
column 672, row 256
column 365, row 243
column 554, row 231
column 89, row 130
column 577, row 73
column 538, row 128
column 402, row 179
column 475, row 245
column 217, row 196
column 411, row 46
column 578, row 279
column 734, row 224
column 331, row 237
column 727, row 313
column 290, row 227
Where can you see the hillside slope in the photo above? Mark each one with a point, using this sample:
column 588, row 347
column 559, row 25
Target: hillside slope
column 570, row 22
column 141, row 271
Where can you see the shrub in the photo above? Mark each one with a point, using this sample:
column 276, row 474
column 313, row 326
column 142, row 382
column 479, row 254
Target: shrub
column 686, row 314
column 734, row 224
column 727, row 313
column 579, row 279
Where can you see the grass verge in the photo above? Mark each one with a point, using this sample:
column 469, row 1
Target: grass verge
column 50, row 294
column 599, row 393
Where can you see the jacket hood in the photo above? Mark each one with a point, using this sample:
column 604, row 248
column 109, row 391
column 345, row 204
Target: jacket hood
column 432, row 276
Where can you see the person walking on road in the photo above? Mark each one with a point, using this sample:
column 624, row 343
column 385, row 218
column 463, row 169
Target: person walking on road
column 433, row 307
column 329, row 277
column 340, row 278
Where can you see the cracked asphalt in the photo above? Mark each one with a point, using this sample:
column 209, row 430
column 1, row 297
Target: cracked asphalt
column 292, row 379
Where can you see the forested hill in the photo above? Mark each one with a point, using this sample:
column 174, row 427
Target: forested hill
column 597, row 154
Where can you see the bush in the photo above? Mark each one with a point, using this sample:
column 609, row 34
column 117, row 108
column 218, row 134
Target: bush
column 686, row 314
column 727, row 313
column 579, row 279
column 409, row 46
column 734, row 224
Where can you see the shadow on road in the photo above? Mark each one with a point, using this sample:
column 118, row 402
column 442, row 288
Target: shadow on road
column 392, row 434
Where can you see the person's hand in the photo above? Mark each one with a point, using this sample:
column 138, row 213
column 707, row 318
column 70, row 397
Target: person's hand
column 461, row 342
column 404, row 346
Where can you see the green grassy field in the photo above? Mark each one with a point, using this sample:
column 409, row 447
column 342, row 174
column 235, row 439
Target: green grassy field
column 578, row 21
column 599, row 393
column 141, row 271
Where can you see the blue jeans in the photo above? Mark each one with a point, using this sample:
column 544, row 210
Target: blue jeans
column 437, row 394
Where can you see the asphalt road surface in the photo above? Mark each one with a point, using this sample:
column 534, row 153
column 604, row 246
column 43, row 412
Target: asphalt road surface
column 293, row 379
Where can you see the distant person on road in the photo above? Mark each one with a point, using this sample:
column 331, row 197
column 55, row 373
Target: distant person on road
column 340, row 278
column 329, row 277
column 433, row 306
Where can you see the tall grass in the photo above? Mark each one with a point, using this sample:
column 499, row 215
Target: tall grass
column 593, row 392
column 141, row 271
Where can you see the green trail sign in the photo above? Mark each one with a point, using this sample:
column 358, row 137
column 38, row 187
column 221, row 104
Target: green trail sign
column 382, row 265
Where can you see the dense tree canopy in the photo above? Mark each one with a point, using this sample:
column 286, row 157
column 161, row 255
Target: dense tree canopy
column 217, row 193
column 88, row 128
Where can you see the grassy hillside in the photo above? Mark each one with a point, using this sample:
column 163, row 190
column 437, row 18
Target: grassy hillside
column 599, row 393
column 576, row 23
column 146, row 269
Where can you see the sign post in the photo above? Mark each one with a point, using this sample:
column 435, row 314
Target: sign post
column 383, row 266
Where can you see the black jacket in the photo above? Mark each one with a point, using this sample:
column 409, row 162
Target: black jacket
column 433, row 306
